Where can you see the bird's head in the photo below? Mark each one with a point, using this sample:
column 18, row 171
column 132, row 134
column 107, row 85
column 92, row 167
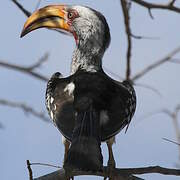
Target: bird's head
column 85, row 24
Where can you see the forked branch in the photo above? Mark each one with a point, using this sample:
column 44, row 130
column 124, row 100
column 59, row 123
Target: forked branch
column 168, row 6
column 151, row 67
column 25, row 108
column 30, row 70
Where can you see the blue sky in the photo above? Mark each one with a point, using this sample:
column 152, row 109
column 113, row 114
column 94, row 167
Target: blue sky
column 26, row 137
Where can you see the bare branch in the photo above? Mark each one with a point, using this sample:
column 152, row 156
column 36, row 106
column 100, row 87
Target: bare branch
column 43, row 59
column 44, row 164
column 149, row 87
column 29, row 69
column 26, row 109
column 119, row 173
column 125, row 9
column 169, row 6
column 174, row 116
column 26, row 12
column 168, row 57
column 171, row 141
column 144, row 37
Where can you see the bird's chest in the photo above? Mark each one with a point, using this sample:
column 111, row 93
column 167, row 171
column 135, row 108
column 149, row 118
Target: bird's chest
column 93, row 87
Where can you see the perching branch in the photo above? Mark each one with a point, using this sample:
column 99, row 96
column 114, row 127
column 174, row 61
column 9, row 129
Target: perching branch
column 169, row 6
column 28, row 69
column 167, row 58
column 125, row 9
column 119, row 173
column 25, row 108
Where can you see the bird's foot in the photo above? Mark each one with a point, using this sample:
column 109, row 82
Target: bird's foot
column 110, row 170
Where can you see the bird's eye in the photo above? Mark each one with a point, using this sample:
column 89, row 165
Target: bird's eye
column 70, row 15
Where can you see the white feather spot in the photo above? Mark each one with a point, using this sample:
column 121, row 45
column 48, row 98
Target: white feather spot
column 51, row 114
column 103, row 117
column 69, row 88
column 90, row 68
column 52, row 99
column 63, row 139
column 48, row 102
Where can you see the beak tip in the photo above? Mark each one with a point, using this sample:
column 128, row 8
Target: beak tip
column 23, row 33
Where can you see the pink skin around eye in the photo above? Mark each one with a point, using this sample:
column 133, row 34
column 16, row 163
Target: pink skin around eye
column 75, row 15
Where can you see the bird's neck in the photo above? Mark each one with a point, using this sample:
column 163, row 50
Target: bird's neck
column 88, row 57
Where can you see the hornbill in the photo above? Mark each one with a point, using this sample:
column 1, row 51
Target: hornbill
column 88, row 107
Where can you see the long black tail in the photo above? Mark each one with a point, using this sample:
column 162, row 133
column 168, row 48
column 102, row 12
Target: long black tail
column 85, row 151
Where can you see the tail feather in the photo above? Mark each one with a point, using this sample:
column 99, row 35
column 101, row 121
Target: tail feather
column 85, row 151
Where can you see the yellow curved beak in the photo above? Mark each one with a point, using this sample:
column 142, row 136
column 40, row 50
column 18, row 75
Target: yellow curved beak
column 53, row 16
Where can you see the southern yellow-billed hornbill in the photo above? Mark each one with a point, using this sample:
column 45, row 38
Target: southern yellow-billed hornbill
column 88, row 107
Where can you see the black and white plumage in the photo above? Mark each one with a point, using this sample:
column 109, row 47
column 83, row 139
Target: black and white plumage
column 88, row 107
column 115, row 101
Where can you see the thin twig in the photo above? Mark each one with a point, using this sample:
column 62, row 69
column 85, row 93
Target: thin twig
column 151, row 67
column 149, row 6
column 125, row 10
column 39, row 63
column 149, row 87
column 23, row 69
column 174, row 116
column 27, row 109
column 28, row 69
column 44, row 164
column 25, row 11
column 171, row 141
column 144, row 37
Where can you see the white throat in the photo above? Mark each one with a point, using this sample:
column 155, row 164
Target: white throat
column 90, row 61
